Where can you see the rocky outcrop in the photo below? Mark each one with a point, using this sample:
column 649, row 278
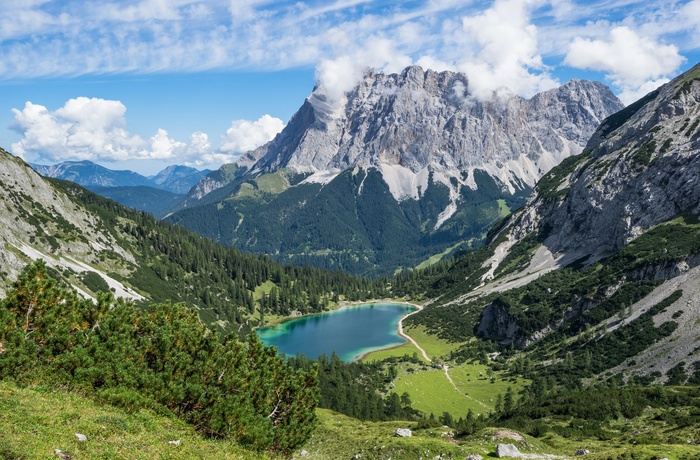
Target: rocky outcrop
column 641, row 169
column 496, row 323
column 403, row 433
column 38, row 221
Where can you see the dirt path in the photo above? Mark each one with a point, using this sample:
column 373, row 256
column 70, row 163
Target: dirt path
column 449, row 378
column 408, row 337
column 427, row 358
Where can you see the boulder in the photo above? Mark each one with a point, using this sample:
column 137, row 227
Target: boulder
column 582, row 452
column 402, row 433
column 507, row 450
column 474, row 457
column 81, row 437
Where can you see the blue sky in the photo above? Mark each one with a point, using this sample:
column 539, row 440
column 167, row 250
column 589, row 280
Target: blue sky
column 140, row 84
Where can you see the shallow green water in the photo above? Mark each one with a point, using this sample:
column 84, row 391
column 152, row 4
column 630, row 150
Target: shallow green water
column 350, row 331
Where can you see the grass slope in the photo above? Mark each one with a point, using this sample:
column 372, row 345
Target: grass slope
column 34, row 422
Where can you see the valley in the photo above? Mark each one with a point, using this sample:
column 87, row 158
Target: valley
column 571, row 324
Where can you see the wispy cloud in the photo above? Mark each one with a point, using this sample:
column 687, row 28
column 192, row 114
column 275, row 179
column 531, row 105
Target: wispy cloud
column 501, row 45
column 71, row 37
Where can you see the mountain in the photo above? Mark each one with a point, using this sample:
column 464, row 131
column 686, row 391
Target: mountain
column 177, row 179
column 157, row 194
column 598, row 274
column 87, row 174
column 155, row 201
column 94, row 244
column 407, row 166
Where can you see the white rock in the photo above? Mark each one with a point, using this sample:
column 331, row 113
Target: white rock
column 81, row 437
column 507, row 450
column 403, row 433
column 174, row 443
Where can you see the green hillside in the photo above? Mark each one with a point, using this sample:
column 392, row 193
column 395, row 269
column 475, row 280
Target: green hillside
column 352, row 223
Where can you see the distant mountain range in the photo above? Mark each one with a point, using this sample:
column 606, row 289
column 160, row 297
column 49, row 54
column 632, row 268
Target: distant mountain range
column 406, row 167
column 157, row 194
column 175, row 179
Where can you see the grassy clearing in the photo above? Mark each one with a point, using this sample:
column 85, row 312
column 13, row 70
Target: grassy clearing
column 433, row 345
column 438, row 257
column 473, row 380
column 400, row 351
column 503, row 209
column 340, row 437
column 34, row 422
column 264, row 288
column 431, row 392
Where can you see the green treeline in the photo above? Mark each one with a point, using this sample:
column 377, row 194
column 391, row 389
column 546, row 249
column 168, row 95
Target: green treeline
column 160, row 357
column 357, row 389
column 588, row 412
column 174, row 264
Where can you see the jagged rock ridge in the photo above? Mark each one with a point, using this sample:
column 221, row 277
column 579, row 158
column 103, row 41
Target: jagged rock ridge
column 418, row 121
column 635, row 175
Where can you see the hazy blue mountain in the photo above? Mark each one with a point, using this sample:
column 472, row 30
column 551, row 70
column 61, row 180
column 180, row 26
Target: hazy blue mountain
column 157, row 194
column 157, row 202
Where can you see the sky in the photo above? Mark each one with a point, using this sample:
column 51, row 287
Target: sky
column 142, row 84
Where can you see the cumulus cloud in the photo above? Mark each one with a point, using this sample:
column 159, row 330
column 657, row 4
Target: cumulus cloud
column 505, row 59
column 244, row 135
column 95, row 129
column 82, row 129
column 338, row 76
column 633, row 63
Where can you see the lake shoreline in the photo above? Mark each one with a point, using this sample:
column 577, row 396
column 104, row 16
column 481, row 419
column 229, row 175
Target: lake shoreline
column 400, row 330
column 407, row 309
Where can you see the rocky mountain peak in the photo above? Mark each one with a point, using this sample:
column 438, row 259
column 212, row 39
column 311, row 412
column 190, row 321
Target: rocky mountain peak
column 420, row 122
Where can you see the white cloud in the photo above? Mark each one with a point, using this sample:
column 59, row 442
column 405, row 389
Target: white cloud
column 245, row 135
column 94, row 129
column 633, row 63
column 505, row 55
column 501, row 44
column 82, row 129
column 338, row 76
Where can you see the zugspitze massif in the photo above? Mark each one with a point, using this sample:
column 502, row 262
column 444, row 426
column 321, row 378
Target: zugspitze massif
column 403, row 167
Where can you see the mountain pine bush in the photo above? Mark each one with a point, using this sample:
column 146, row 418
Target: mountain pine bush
column 159, row 357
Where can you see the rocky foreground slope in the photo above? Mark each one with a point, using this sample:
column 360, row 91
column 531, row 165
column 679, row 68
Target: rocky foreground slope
column 36, row 221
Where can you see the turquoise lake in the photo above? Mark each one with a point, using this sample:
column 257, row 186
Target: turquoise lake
column 349, row 331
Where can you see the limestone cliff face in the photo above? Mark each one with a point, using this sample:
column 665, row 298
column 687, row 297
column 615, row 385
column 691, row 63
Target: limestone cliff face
column 641, row 169
column 416, row 121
